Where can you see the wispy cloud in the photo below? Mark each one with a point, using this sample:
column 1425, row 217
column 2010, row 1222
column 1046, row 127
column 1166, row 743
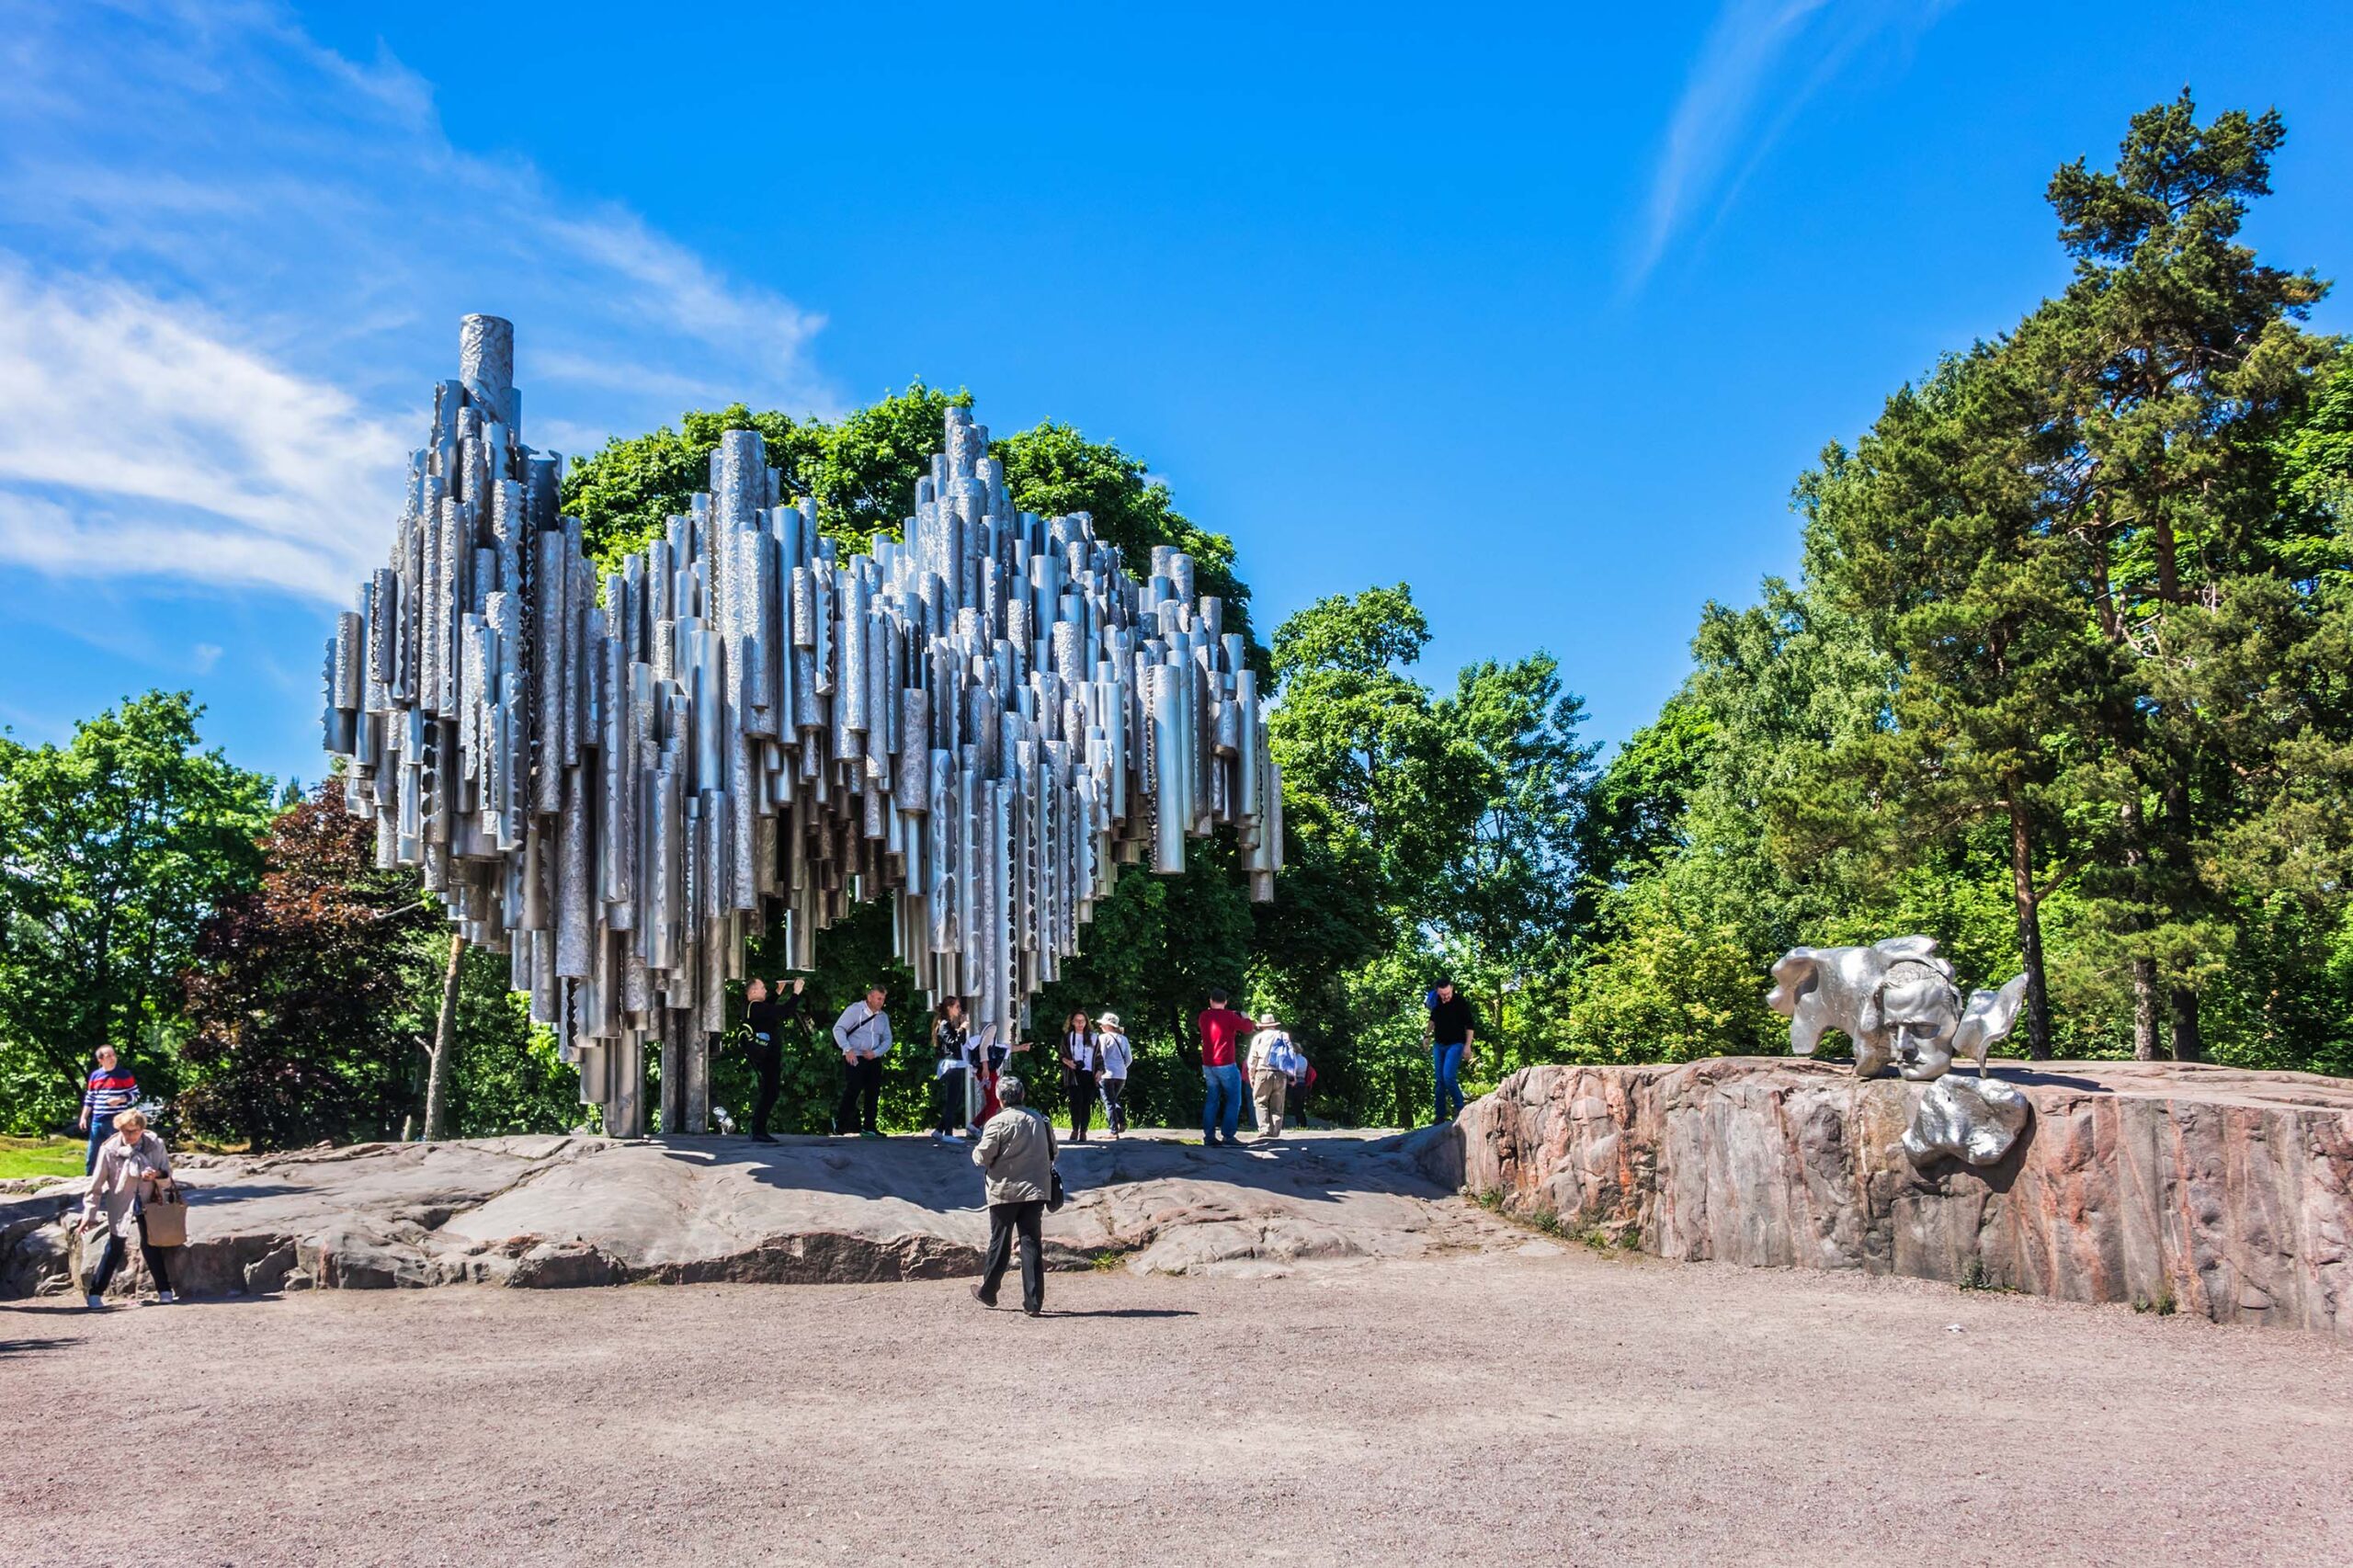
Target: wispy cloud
column 232, row 263
column 1761, row 62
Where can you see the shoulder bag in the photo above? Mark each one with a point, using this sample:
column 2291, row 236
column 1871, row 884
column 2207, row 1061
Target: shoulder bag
column 163, row 1219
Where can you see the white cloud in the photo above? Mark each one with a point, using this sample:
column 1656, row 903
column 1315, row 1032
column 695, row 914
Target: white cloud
column 136, row 440
column 1761, row 61
column 203, row 656
column 232, row 264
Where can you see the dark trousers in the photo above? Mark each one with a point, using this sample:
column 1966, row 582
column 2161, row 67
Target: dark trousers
column 1297, row 1115
column 951, row 1101
column 768, row 1069
column 159, row 1265
column 1080, row 1086
column 861, row 1095
column 1115, row 1095
column 1030, row 1220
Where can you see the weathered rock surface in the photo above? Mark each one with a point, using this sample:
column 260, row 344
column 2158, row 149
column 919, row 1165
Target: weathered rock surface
column 2225, row 1192
column 560, row 1211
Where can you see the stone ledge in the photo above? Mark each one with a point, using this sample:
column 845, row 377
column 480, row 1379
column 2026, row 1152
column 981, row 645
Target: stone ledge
column 2211, row 1189
column 578, row 1211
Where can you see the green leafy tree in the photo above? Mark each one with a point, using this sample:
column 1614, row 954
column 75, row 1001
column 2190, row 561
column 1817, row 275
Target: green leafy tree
column 1934, row 533
column 2176, row 364
column 120, row 844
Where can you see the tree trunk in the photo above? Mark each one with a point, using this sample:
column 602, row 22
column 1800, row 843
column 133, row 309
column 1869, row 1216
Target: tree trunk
column 445, row 1032
column 2145, row 1011
column 2188, row 1043
column 2143, row 969
column 2029, row 918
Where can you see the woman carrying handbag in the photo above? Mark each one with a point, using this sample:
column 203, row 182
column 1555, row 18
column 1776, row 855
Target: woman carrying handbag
column 133, row 1173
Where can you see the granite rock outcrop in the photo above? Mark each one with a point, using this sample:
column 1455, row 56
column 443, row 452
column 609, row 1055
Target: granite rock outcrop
column 563, row 1212
column 2165, row 1185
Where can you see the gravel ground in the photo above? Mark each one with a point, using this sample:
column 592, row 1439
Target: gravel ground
column 1499, row 1408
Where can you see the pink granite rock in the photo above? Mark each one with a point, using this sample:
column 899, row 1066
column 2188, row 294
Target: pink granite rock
column 2225, row 1192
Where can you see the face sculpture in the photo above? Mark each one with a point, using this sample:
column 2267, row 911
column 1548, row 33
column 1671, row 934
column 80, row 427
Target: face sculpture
column 1910, row 1022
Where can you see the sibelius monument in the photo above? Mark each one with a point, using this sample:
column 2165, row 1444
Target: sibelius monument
column 618, row 781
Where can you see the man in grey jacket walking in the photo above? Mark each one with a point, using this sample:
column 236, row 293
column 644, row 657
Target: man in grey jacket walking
column 1016, row 1151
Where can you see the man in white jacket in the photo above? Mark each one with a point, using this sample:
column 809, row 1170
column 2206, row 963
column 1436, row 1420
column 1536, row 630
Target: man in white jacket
column 862, row 1034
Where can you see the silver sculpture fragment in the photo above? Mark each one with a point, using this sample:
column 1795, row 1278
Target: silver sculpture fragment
column 1896, row 1000
column 616, row 779
column 1974, row 1120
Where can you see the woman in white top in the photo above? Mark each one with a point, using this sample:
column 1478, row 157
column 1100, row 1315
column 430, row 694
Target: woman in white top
column 132, row 1166
column 1080, row 1058
column 1111, row 1077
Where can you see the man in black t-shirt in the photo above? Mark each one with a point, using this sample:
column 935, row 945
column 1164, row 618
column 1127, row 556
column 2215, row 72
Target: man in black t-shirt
column 766, row 1015
column 1453, row 1029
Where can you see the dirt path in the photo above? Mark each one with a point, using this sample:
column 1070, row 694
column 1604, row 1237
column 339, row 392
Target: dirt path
column 1498, row 1408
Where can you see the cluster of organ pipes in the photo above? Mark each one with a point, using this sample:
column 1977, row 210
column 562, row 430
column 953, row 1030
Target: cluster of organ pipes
column 617, row 782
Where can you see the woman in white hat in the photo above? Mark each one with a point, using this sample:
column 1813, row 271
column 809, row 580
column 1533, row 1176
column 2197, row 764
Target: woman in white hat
column 1117, row 1055
column 1269, row 1073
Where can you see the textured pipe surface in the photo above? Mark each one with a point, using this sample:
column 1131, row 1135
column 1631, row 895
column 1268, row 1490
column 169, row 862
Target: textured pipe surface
column 979, row 724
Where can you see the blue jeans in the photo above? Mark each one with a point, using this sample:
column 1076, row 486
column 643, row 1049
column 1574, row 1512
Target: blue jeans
column 101, row 1129
column 1221, row 1102
column 1446, row 1073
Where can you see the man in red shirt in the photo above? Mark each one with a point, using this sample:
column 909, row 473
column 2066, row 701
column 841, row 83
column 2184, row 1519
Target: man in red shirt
column 1223, row 1029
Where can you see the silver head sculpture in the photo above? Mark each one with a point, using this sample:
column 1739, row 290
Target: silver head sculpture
column 617, row 778
column 1896, row 1000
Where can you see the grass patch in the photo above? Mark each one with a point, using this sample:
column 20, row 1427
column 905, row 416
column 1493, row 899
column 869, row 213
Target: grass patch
column 1597, row 1237
column 1109, row 1262
column 2161, row 1303
column 42, row 1157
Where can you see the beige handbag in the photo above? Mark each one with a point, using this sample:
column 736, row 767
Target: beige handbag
column 163, row 1219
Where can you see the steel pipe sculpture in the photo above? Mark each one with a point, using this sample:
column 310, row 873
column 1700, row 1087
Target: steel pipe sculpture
column 616, row 781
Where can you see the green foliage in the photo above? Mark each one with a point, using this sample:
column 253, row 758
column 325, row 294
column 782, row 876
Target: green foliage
column 2068, row 671
column 309, row 995
column 120, row 844
column 508, row 1076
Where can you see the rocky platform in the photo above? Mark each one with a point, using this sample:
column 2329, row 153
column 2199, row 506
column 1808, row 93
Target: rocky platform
column 2164, row 1185
column 581, row 1210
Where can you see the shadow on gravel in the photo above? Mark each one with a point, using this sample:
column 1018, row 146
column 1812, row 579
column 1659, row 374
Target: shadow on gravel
column 1121, row 1313
column 30, row 1347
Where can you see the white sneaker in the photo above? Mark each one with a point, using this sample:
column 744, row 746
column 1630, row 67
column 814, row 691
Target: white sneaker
column 94, row 1302
column 166, row 1299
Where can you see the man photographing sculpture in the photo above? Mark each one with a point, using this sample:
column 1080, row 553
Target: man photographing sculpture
column 862, row 1034
column 765, row 1013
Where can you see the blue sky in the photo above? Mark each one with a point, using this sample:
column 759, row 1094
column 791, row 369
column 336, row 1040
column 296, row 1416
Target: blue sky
column 1540, row 310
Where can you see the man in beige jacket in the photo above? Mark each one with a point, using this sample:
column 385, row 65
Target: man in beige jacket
column 1271, row 1070
column 1016, row 1150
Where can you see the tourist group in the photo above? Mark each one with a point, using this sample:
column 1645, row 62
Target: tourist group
column 979, row 1099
